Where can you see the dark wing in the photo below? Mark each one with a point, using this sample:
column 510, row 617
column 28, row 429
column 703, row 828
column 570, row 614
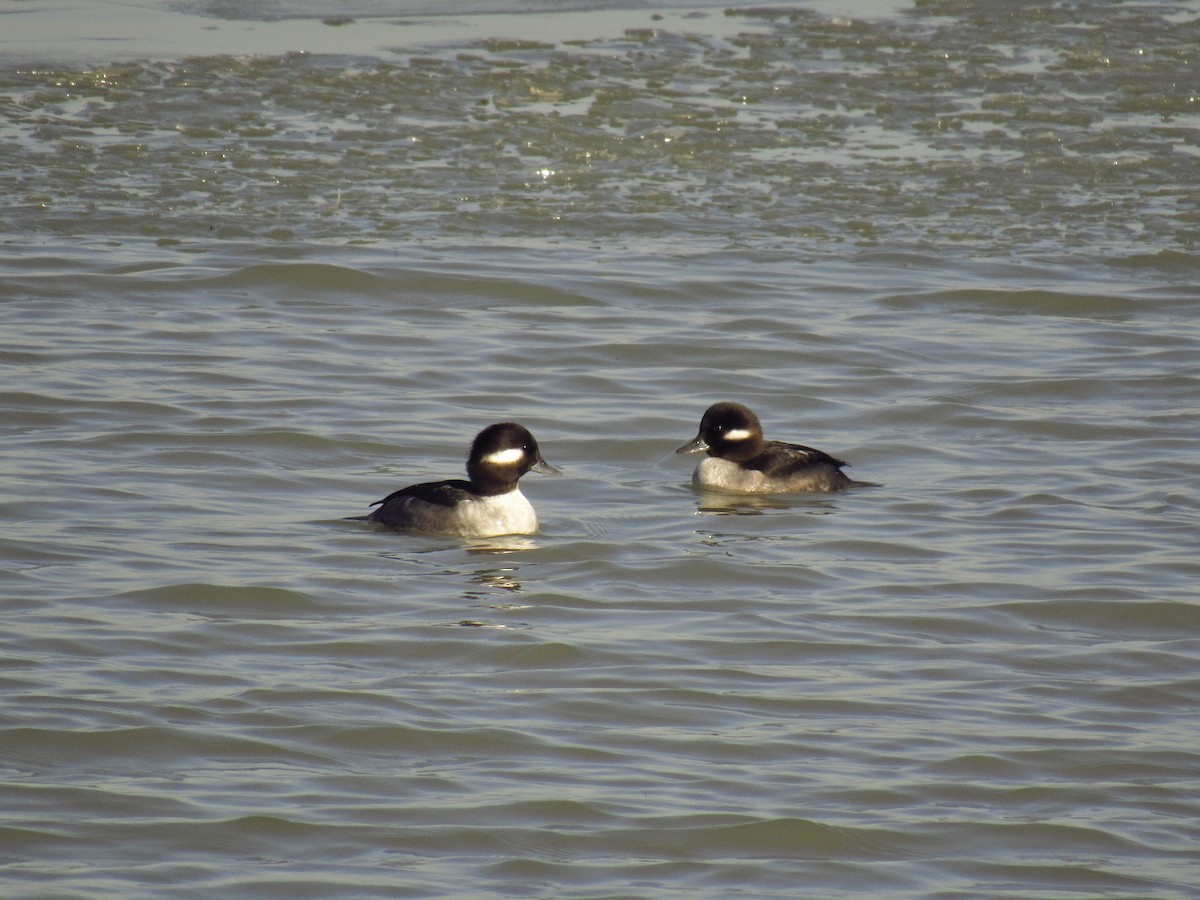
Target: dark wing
column 778, row 460
column 439, row 493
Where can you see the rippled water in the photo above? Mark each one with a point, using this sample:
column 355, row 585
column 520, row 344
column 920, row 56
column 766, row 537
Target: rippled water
column 243, row 296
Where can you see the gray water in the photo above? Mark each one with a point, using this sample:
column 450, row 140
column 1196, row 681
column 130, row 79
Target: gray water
column 262, row 265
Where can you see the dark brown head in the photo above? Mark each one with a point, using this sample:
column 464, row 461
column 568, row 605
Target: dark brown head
column 501, row 454
column 728, row 431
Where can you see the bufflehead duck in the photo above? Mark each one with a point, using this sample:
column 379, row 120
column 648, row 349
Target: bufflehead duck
column 487, row 505
column 740, row 460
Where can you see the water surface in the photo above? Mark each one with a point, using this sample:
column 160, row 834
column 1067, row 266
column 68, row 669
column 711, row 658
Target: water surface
column 246, row 291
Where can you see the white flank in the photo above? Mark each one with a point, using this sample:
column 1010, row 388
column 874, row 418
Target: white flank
column 738, row 434
column 505, row 457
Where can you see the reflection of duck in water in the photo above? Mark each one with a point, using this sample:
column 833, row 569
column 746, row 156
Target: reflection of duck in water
column 497, row 580
column 740, row 460
column 489, row 503
column 724, row 503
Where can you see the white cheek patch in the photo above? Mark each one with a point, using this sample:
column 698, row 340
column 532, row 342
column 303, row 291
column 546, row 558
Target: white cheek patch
column 737, row 434
column 505, row 457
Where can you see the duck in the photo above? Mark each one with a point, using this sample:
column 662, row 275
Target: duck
column 740, row 460
column 488, row 503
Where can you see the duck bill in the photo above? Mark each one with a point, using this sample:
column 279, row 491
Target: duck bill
column 544, row 467
column 695, row 446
